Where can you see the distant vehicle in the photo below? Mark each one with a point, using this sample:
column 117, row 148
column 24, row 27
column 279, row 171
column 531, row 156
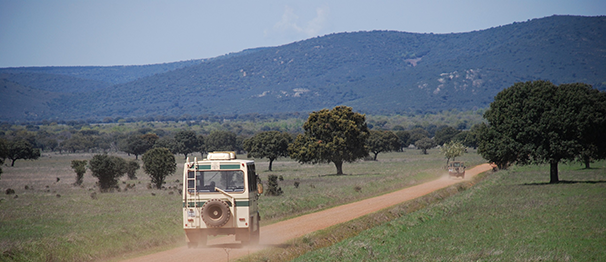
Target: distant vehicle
column 220, row 197
column 456, row 169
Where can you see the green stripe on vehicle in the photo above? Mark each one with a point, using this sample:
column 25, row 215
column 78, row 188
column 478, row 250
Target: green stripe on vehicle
column 194, row 204
column 242, row 203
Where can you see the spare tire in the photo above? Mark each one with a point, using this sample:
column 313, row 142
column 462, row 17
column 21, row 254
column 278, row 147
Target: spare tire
column 215, row 213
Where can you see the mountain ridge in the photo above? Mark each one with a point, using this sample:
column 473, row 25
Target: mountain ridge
column 382, row 72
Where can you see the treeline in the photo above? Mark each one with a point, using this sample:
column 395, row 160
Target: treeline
column 27, row 142
column 256, row 117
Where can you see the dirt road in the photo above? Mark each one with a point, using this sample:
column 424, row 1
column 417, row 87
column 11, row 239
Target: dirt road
column 275, row 234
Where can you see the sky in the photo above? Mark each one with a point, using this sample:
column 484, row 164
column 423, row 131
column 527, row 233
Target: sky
column 139, row 32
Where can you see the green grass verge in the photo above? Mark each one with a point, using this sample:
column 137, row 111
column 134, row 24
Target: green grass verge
column 335, row 234
column 319, row 189
column 512, row 215
column 39, row 225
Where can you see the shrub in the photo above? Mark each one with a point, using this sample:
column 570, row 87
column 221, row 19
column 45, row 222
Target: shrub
column 79, row 167
column 159, row 163
column 107, row 169
column 272, row 186
column 131, row 169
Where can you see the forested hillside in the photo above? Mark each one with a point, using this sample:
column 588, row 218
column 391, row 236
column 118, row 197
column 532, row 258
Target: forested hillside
column 379, row 72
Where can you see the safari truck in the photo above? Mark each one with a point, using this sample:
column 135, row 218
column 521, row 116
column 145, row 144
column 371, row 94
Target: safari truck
column 456, row 169
column 220, row 197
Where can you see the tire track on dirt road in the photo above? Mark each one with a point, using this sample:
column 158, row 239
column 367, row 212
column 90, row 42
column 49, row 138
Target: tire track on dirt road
column 274, row 235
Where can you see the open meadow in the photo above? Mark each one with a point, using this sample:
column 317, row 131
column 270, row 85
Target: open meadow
column 49, row 219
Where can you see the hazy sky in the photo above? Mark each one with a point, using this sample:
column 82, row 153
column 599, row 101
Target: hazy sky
column 123, row 32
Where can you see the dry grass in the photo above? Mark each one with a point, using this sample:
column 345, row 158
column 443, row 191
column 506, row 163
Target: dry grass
column 52, row 220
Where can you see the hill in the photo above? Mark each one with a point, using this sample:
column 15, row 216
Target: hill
column 379, row 72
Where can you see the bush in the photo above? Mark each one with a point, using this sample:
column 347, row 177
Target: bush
column 107, row 169
column 272, row 186
column 79, row 167
column 159, row 163
column 131, row 169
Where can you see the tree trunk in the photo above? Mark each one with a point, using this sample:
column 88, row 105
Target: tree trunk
column 587, row 163
column 553, row 172
column 339, row 165
column 271, row 161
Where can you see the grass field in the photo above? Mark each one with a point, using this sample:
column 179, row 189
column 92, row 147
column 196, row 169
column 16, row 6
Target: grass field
column 48, row 219
column 512, row 215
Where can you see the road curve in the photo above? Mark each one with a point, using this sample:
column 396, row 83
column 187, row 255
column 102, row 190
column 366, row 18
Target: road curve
column 224, row 249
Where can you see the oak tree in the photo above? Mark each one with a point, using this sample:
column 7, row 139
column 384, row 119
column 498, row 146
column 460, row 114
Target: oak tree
column 159, row 163
column 107, row 169
column 382, row 141
column 332, row 136
column 268, row 144
column 424, row 144
column 451, row 150
column 187, row 142
column 221, row 141
column 445, row 134
column 404, row 137
column 138, row 144
column 538, row 122
column 21, row 149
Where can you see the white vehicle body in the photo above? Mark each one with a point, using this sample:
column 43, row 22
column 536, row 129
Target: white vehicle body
column 220, row 197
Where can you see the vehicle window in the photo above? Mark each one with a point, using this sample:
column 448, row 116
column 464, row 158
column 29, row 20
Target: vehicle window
column 228, row 181
column 252, row 178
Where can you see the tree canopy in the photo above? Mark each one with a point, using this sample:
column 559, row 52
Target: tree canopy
column 107, row 169
column 21, row 149
column 79, row 166
column 77, row 142
column 131, row 169
column 382, row 141
column 445, row 134
column 538, row 122
column 268, row 144
column 159, row 163
column 338, row 135
column 451, row 150
column 404, row 137
column 424, row 144
column 417, row 134
column 187, row 142
column 221, row 141
column 138, row 144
